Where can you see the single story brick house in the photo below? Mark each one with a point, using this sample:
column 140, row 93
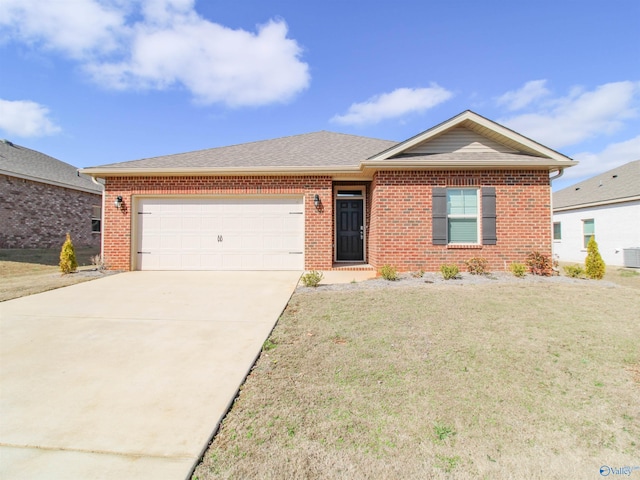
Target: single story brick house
column 465, row 188
column 42, row 198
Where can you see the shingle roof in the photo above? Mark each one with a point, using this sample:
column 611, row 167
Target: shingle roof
column 23, row 162
column 609, row 187
column 306, row 150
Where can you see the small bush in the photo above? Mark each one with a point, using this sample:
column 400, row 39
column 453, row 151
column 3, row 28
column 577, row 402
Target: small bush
column 518, row 269
column 449, row 271
column 540, row 264
column 594, row 265
column 389, row 272
column 418, row 274
column 68, row 262
column 573, row 271
column 312, row 279
column 477, row 266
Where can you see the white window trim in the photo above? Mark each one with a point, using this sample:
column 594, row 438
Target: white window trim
column 477, row 216
column 584, row 220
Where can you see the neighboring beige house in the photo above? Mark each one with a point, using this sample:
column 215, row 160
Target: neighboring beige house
column 42, row 198
column 606, row 206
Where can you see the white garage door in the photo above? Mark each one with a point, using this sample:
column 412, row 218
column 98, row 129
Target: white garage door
column 239, row 233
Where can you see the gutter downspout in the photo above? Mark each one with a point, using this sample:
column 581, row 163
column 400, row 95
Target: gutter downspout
column 93, row 179
column 560, row 173
column 551, row 179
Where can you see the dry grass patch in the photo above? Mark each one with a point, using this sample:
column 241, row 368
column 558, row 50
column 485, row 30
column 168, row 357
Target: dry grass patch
column 440, row 381
column 28, row 271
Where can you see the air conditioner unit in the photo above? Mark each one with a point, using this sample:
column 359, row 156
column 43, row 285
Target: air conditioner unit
column 631, row 257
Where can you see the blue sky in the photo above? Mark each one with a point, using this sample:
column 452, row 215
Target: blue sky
column 92, row 82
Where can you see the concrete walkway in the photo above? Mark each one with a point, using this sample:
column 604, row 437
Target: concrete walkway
column 129, row 375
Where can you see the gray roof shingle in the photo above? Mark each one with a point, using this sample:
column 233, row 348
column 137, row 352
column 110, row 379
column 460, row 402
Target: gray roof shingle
column 307, row 150
column 26, row 163
column 611, row 186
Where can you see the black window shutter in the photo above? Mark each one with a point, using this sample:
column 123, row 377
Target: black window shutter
column 489, row 236
column 439, row 216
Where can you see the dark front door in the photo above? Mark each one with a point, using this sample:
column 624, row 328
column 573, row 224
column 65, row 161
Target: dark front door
column 349, row 230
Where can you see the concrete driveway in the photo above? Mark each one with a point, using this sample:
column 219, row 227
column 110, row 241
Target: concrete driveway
column 128, row 376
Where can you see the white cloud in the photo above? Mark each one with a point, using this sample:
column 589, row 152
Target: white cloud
column 517, row 99
column 78, row 29
column 159, row 44
column 25, row 118
column 581, row 115
column 217, row 64
column 612, row 156
column 401, row 101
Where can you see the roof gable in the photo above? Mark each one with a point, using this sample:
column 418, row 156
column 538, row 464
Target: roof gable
column 471, row 134
column 22, row 162
column 618, row 185
column 459, row 139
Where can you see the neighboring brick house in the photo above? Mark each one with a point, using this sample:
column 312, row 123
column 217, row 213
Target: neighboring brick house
column 41, row 199
column 465, row 188
column 607, row 207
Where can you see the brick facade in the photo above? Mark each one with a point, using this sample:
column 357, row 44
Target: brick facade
column 398, row 203
column 39, row 215
column 318, row 222
column 400, row 232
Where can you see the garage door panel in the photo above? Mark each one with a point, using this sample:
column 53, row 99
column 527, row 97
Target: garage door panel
column 209, row 223
column 210, row 261
column 208, row 242
column 170, row 224
column 240, row 233
column 169, row 261
column 191, row 242
column 170, row 242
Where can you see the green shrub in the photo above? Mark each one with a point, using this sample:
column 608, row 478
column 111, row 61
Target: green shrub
column 269, row 344
column 389, row 272
column 540, row 264
column 449, row 271
column 68, row 262
column 594, row 265
column 477, row 266
column 312, row 279
column 518, row 269
column 573, row 271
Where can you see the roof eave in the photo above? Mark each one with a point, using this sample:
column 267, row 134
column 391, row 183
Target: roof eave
column 542, row 164
column 597, row 204
column 341, row 171
column 49, row 182
column 97, row 172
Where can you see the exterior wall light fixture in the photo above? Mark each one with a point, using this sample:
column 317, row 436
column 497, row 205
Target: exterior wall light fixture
column 119, row 203
column 316, row 201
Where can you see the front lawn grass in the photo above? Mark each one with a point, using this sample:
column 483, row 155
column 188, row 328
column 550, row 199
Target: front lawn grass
column 28, row 271
column 441, row 381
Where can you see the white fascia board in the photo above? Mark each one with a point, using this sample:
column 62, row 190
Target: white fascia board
column 543, row 164
column 233, row 171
